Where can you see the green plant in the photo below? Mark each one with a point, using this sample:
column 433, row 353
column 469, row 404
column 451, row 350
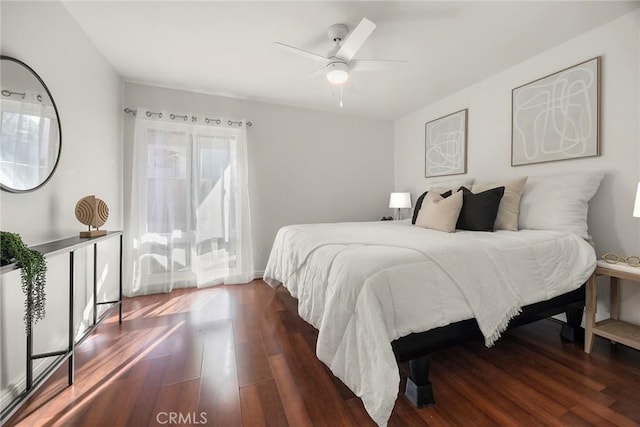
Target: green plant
column 33, row 268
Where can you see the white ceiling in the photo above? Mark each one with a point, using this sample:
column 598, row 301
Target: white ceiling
column 225, row 48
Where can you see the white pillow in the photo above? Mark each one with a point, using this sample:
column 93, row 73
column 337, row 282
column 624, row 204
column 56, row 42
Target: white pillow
column 507, row 218
column 558, row 202
column 450, row 184
column 439, row 213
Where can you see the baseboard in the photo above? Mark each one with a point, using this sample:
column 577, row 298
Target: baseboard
column 601, row 314
column 258, row 274
column 14, row 389
column 562, row 317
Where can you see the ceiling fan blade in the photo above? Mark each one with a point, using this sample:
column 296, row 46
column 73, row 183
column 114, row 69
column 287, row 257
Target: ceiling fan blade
column 375, row 64
column 355, row 40
column 319, row 72
column 301, row 52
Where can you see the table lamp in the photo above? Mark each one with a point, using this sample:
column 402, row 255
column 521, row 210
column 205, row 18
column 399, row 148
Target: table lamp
column 399, row 201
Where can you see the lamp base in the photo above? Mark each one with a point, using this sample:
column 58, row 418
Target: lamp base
column 398, row 215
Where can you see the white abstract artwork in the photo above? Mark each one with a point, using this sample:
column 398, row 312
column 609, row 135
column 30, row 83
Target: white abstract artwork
column 556, row 117
column 446, row 145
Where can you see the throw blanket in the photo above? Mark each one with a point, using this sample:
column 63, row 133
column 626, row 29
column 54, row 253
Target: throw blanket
column 365, row 284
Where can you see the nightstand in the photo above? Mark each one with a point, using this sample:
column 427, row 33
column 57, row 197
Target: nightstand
column 613, row 329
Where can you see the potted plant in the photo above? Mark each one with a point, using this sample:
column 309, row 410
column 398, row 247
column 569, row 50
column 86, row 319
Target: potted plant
column 33, row 268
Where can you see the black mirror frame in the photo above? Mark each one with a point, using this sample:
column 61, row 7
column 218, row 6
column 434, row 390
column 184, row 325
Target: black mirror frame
column 53, row 102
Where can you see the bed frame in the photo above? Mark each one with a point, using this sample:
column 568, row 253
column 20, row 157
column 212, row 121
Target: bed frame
column 417, row 348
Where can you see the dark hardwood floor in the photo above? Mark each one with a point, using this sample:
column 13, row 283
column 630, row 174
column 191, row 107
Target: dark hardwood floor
column 240, row 355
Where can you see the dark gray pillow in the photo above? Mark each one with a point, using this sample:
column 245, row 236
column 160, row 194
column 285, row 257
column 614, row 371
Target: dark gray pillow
column 479, row 210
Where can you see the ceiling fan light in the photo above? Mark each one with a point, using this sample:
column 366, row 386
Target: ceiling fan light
column 337, row 73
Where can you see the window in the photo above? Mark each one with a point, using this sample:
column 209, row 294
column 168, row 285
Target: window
column 191, row 200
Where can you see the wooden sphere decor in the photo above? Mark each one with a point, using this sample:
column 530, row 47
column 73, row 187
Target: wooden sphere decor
column 92, row 212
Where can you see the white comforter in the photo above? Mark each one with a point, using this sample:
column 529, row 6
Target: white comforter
column 363, row 285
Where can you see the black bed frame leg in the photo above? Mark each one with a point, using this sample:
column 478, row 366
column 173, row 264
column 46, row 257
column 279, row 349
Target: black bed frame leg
column 418, row 389
column 571, row 331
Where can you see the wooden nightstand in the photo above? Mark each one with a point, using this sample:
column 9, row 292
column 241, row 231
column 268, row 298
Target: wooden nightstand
column 613, row 329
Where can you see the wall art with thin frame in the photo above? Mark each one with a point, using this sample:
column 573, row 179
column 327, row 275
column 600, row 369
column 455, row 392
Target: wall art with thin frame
column 557, row 117
column 446, row 145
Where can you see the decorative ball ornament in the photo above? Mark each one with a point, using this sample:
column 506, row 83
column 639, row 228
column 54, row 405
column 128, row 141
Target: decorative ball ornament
column 92, row 212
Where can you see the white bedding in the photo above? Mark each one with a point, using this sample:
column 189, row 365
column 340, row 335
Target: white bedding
column 363, row 285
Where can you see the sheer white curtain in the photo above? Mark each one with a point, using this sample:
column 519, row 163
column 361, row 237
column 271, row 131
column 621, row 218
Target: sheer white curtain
column 26, row 121
column 189, row 223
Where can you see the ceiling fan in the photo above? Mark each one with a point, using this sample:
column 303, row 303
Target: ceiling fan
column 339, row 61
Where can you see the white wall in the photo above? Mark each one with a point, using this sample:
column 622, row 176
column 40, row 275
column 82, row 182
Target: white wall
column 489, row 134
column 304, row 166
column 88, row 94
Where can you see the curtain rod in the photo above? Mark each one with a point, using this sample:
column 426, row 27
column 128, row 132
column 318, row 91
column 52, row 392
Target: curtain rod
column 9, row 93
column 185, row 118
column 6, row 92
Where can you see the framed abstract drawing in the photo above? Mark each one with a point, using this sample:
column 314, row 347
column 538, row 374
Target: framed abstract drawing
column 557, row 117
column 446, row 145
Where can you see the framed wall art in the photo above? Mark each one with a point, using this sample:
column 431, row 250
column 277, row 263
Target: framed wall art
column 446, row 145
column 557, row 117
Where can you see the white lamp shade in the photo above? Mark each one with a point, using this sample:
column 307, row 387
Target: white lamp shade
column 400, row 200
column 337, row 73
column 636, row 206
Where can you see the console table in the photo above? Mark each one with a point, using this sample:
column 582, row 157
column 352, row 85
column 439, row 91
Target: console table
column 69, row 245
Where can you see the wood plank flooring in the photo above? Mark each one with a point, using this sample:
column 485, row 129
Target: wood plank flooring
column 241, row 356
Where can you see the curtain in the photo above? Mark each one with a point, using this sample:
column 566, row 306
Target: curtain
column 189, row 223
column 26, row 121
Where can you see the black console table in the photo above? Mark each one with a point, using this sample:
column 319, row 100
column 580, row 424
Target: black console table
column 57, row 247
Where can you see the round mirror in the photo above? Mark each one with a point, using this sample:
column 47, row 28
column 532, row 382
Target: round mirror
column 30, row 134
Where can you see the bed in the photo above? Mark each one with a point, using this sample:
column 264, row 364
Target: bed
column 383, row 292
